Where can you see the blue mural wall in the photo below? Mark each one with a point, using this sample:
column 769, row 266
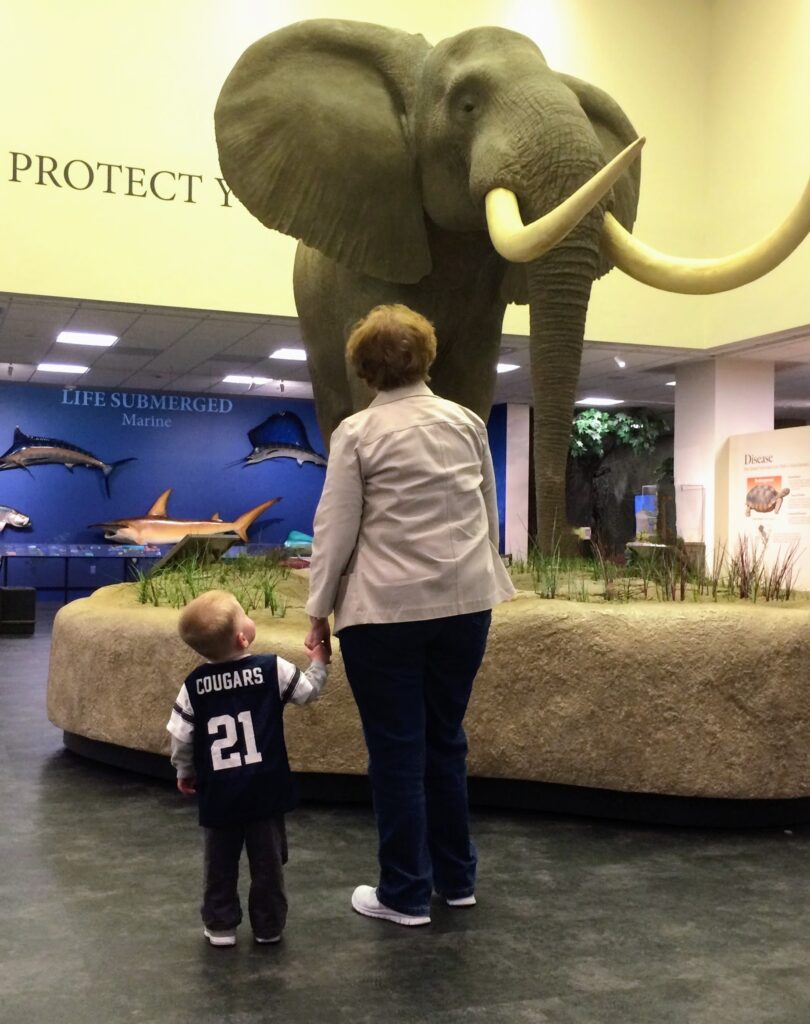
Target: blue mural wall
column 194, row 444
column 496, row 429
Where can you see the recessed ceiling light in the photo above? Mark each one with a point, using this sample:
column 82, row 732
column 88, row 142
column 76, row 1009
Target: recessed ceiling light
column 62, row 368
column 671, row 383
column 86, row 338
column 236, row 378
column 297, row 354
column 507, row 367
column 619, row 362
column 596, row 400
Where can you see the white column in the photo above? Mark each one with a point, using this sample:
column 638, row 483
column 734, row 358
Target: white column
column 516, row 524
column 713, row 400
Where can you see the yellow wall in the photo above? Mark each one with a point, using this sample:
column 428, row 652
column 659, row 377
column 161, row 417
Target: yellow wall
column 101, row 80
column 759, row 156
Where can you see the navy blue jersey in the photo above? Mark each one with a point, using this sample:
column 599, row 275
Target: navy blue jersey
column 240, row 759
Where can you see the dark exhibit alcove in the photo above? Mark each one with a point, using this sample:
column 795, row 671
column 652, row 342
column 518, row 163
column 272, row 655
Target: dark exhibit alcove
column 600, row 491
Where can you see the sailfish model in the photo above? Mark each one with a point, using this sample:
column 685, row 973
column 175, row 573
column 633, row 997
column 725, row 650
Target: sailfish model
column 27, row 450
column 156, row 527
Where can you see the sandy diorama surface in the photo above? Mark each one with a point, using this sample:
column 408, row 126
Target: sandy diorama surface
column 695, row 698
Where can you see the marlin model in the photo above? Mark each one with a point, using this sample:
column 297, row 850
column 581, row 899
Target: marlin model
column 28, row 451
column 157, row 528
column 281, row 436
column 11, row 517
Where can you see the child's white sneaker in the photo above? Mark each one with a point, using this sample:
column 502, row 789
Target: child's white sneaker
column 224, row 938
column 263, row 941
column 364, row 901
column 462, row 901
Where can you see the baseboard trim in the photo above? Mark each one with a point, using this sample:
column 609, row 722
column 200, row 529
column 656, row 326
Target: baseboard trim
column 512, row 794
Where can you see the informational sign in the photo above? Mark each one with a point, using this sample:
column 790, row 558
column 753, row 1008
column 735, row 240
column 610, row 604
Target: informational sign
column 769, row 495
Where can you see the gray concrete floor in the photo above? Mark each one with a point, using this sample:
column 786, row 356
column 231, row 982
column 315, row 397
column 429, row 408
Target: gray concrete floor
column 578, row 922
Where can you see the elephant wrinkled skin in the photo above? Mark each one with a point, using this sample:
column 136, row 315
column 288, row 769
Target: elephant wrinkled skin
column 379, row 151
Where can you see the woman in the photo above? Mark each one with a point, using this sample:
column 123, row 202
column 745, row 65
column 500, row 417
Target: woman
column 405, row 554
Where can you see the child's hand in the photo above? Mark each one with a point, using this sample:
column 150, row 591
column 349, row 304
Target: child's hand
column 322, row 653
column 187, row 786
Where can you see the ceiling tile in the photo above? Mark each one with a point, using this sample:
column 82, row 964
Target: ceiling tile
column 186, row 354
column 20, row 372
column 100, row 378
column 120, row 361
column 156, row 330
column 23, row 350
column 181, row 349
column 224, row 332
column 100, row 321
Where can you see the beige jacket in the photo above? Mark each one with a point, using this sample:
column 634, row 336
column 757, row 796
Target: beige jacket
column 407, row 525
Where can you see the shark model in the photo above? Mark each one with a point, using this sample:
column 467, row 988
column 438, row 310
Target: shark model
column 11, row 517
column 157, row 528
column 28, row 451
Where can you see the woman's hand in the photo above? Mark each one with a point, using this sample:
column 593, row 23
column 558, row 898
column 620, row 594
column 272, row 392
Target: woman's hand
column 318, row 634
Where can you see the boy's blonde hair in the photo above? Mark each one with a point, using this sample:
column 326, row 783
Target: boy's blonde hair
column 208, row 624
column 392, row 346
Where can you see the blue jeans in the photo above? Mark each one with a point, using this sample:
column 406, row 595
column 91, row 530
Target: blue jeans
column 412, row 682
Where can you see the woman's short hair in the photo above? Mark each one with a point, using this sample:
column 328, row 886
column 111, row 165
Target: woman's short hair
column 392, row 346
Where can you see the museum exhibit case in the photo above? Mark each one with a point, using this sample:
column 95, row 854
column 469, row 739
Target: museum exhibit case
column 686, row 713
column 693, row 701
column 461, row 112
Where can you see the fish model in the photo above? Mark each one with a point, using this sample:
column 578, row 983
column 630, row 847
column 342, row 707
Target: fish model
column 156, row 527
column 281, row 436
column 28, row 451
column 11, row 517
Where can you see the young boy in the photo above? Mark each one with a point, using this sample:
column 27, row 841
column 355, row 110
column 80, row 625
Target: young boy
column 228, row 748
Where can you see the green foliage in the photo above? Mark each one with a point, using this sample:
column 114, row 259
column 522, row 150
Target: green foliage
column 665, row 472
column 252, row 581
column 594, row 429
column 663, row 573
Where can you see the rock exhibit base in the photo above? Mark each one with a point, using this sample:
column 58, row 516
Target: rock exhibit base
column 674, row 713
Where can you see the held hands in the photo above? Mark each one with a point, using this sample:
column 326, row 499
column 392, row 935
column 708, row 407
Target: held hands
column 318, row 640
column 187, row 786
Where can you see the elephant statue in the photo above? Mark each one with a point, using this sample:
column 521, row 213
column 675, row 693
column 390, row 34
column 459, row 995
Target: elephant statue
column 407, row 173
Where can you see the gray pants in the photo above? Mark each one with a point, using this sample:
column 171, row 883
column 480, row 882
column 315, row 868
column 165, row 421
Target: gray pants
column 266, row 845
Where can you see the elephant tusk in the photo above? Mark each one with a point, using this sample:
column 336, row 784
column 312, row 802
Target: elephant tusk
column 519, row 242
column 706, row 276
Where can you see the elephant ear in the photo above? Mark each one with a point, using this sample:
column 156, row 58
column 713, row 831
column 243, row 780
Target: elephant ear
column 311, row 127
column 614, row 131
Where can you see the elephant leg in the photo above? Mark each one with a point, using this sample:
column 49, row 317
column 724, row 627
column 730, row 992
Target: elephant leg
column 464, row 377
column 467, row 310
column 323, row 335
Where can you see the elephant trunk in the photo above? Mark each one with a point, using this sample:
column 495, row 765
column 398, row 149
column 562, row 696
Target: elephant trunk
column 559, row 290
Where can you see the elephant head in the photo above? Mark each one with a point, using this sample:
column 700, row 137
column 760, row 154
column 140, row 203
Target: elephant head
column 407, row 172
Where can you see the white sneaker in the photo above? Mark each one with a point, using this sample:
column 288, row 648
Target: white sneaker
column 226, row 938
column 262, row 941
column 364, row 901
column 462, row 901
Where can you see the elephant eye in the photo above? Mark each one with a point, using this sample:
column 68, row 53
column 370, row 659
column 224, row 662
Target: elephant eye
column 465, row 106
column 465, row 101
column 466, row 96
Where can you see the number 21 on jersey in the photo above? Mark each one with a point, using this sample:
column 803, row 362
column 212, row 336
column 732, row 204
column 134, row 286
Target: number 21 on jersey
column 222, row 754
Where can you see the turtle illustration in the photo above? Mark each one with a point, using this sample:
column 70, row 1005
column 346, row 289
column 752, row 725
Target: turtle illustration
column 764, row 498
